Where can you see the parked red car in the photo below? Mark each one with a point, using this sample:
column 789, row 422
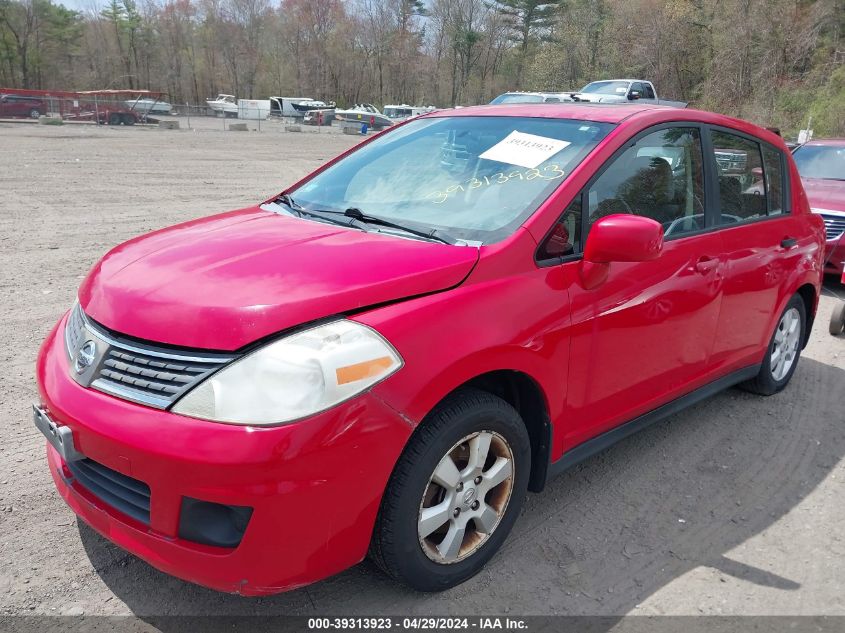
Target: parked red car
column 386, row 357
column 821, row 164
column 21, row 107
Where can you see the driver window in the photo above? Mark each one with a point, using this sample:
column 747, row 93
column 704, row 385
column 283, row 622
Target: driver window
column 660, row 177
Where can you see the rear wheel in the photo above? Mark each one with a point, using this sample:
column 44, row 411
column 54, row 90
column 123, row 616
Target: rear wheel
column 783, row 352
column 837, row 319
column 455, row 492
column 114, row 118
column 34, row 113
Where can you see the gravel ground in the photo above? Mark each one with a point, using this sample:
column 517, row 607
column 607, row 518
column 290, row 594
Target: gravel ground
column 736, row 506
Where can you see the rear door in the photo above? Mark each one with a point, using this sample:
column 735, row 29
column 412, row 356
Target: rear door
column 645, row 335
column 760, row 238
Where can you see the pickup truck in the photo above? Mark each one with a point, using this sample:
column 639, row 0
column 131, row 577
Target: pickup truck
column 621, row 91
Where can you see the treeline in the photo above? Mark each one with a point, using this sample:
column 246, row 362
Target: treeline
column 776, row 62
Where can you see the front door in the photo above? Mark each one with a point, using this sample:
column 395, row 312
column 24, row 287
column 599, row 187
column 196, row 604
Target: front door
column 644, row 336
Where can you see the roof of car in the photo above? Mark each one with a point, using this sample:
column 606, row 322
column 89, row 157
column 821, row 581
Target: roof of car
column 599, row 112
column 827, row 141
column 644, row 113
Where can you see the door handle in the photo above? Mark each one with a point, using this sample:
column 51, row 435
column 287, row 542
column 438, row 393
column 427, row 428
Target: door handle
column 788, row 242
column 705, row 264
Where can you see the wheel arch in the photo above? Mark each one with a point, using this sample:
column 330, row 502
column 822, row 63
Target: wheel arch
column 808, row 294
column 525, row 395
column 523, row 392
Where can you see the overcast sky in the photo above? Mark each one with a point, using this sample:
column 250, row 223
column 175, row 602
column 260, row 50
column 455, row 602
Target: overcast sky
column 80, row 5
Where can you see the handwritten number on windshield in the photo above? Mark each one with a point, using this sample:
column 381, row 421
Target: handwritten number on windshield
column 549, row 172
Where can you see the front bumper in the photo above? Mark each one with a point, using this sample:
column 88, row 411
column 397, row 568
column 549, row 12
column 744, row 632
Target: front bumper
column 315, row 486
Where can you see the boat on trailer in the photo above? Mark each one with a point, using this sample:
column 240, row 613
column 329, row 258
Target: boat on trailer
column 364, row 113
column 226, row 104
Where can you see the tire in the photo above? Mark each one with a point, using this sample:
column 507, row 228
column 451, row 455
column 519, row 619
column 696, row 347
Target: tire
column 128, row 119
column 837, row 319
column 114, row 118
column 786, row 343
column 464, row 422
column 34, row 113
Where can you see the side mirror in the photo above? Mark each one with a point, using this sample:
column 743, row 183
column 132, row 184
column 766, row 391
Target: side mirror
column 619, row 238
column 634, row 95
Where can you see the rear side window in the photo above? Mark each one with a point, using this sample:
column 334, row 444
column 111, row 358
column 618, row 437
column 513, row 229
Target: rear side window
column 742, row 187
column 659, row 177
column 773, row 172
column 649, row 93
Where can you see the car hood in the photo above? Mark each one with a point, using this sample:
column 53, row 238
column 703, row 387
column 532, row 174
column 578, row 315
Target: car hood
column 225, row 281
column 825, row 194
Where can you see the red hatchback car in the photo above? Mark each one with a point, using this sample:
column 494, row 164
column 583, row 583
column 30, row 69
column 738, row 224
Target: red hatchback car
column 821, row 164
column 386, row 357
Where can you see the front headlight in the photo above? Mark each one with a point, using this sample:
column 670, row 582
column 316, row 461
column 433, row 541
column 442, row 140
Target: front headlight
column 294, row 377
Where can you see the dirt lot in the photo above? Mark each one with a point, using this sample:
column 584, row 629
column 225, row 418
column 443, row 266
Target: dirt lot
column 736, row 506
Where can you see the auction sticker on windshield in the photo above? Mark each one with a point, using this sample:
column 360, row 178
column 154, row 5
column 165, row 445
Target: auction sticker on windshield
column 525, row 150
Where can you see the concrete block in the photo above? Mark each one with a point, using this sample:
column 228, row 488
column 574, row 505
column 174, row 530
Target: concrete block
column 50, row 120
column 168, row 125
column 293, row 128
column 238, row 127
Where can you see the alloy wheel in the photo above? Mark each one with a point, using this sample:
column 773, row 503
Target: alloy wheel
column 785, row 346
column 466, row 497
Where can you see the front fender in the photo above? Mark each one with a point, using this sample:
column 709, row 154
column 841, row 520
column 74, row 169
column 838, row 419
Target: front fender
column 450, row 338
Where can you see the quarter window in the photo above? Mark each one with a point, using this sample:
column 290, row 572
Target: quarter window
column 659, row 177
column 742, row 186
column 565, row 238
column 773, row 171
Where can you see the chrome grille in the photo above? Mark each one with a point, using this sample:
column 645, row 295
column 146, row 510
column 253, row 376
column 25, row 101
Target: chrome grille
column 834, row 226
column 140, row 372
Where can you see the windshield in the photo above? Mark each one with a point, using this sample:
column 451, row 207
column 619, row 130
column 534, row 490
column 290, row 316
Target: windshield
column 821, row 161
column 509, row 97
column 606, row 88
column 474, row 178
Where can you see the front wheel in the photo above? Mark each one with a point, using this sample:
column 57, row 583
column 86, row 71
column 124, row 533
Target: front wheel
column 455, row 493
column 34, row 113
column 783, row 352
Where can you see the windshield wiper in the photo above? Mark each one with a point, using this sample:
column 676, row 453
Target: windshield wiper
column 287, row 200
column 291, row 204
column 356, row 216
column 433, row 234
